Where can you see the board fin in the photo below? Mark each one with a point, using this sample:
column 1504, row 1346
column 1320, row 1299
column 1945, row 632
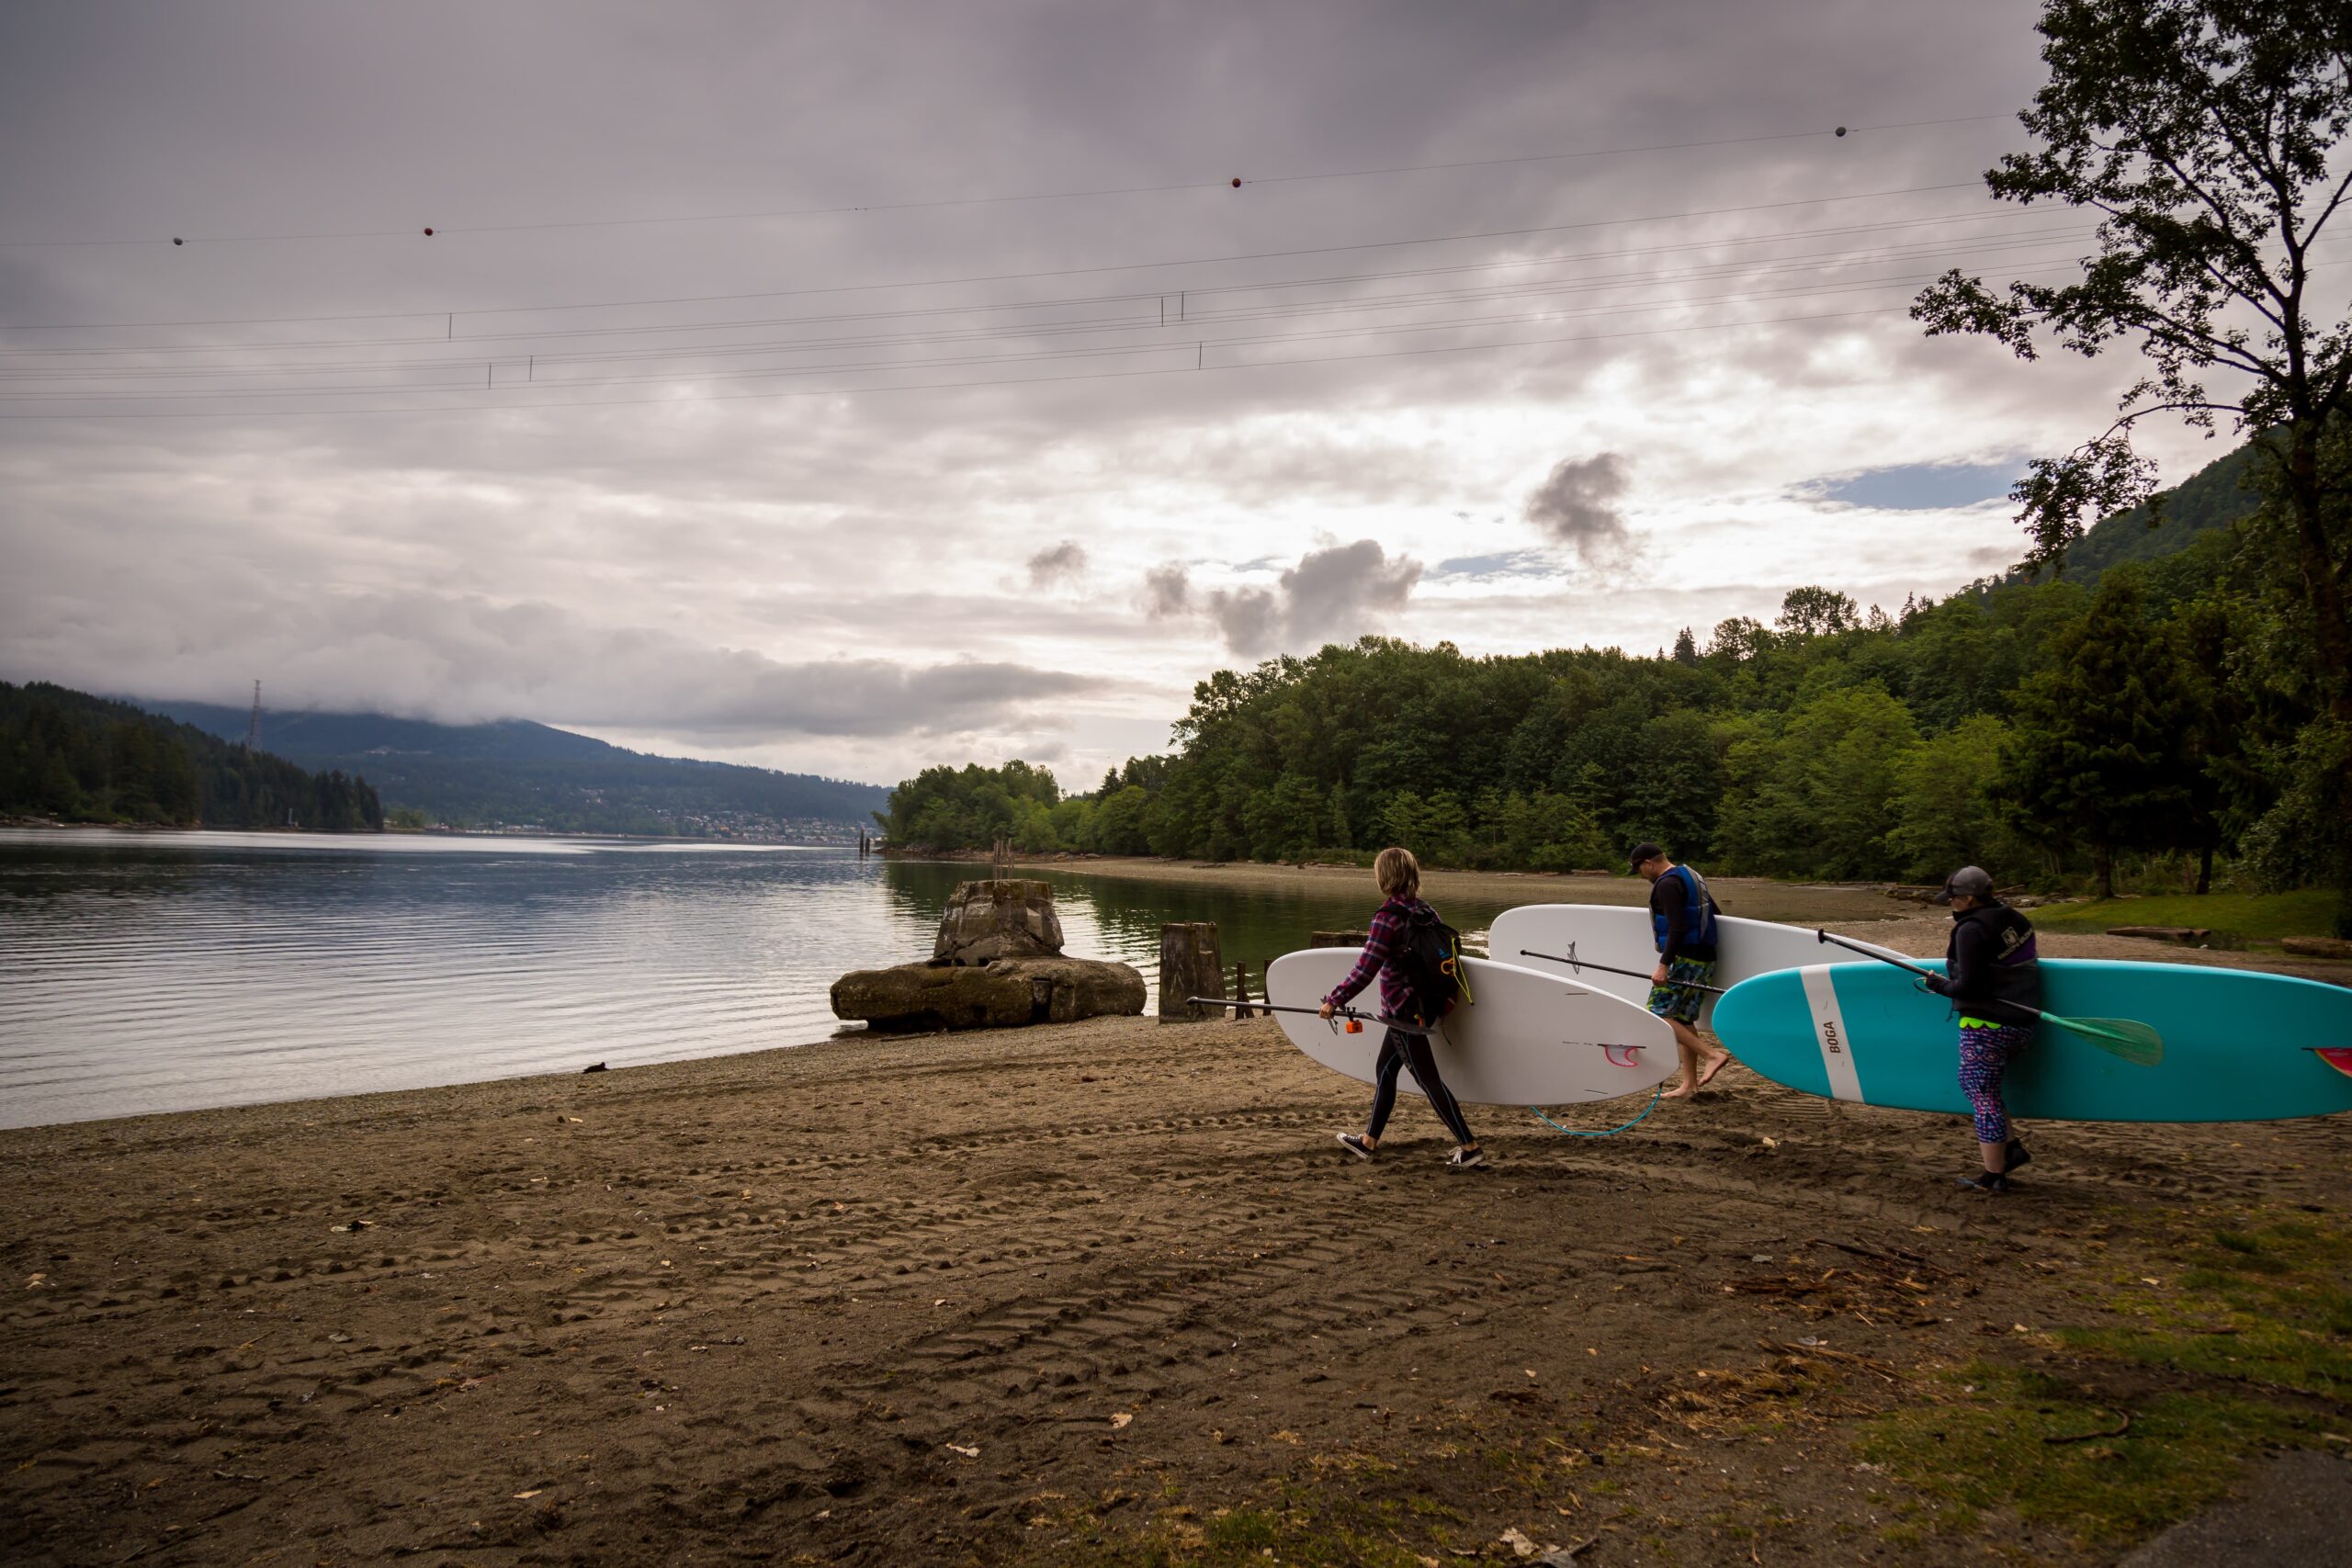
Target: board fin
column 1630, row 1056
column 2336, row 1057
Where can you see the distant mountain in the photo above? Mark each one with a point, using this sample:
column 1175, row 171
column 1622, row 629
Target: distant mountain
column 65, row 753
column 2213, row 497
column 515, row 773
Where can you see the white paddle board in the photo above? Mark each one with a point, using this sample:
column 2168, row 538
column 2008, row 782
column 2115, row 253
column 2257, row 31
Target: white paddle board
column 1529, row 1039
column 1620, row 936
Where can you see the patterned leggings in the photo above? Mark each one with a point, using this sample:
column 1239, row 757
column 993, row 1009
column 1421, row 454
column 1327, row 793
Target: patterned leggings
column 1984, row 1054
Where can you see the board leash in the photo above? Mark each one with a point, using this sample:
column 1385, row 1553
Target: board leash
column 1574, row 1133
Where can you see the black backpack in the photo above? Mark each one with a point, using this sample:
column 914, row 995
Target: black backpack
column 1432, row 961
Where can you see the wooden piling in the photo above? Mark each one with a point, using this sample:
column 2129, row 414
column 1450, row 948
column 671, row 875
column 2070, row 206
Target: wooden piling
column 1190, row 966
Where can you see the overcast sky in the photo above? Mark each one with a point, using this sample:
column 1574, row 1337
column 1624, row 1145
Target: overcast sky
column 957, row 405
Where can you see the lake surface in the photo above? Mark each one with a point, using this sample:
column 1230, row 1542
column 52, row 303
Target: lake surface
column 146, row 971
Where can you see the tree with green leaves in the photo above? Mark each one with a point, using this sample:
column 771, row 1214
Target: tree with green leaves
column 2203, row 133
column 2097, row 760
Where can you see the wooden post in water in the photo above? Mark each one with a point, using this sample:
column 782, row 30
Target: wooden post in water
column 1241, row 1007
column 1337, row 938
column 1190, row 966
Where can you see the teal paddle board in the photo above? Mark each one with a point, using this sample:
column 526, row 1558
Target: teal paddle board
column 2239, row 1046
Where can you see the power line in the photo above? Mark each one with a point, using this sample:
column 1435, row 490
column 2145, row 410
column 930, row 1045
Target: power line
column 1821, row 262
column 954, row 385
column 1991, row 216
column 1232, row 182
column 1017, row 277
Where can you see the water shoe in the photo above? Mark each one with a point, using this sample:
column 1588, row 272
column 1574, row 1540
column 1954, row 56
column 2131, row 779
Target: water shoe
column 1465, row 1159
column 2015, row 1155
column 1354, row 1143
column 1987, row 1182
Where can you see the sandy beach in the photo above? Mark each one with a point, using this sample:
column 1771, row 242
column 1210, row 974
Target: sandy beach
column 1101, row 1291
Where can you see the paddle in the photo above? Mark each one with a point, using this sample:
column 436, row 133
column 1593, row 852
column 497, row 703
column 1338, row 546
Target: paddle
column 1356, row 1021
column 1573, row 962
column 2135, row 1042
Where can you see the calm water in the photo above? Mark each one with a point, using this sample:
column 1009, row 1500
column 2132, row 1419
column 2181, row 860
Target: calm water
column 165, row 971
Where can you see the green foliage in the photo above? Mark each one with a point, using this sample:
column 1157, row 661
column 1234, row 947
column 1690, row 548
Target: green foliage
column 1818, row 797
column 1945, row 811
column 2097, row 758
column 972, row 807
column 64, row 754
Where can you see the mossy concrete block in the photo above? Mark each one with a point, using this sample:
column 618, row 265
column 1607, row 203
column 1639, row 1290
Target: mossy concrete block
column 1004, row 993
column 1001, row 918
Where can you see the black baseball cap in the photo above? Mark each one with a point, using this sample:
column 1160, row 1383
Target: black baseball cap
column 1972, row 881
column 1644, row 851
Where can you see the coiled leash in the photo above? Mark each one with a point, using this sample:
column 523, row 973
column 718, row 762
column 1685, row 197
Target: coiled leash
column 1612, row 1131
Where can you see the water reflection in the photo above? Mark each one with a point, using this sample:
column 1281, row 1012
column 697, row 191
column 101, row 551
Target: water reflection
column 154, row 972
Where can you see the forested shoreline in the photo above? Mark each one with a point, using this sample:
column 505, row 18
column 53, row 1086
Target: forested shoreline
column 69, row 755
column 2160, row 722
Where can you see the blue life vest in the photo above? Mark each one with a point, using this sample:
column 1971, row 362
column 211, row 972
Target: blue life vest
column 1699, row 911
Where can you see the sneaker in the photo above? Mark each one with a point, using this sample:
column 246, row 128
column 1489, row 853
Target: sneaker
column 1987, row 1182
column 1465, row 1159
column 1354, row 1143
column 2015, row 1155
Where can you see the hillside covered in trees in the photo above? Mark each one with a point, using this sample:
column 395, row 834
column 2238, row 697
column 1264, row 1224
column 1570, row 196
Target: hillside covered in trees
column 2138, row 711
column 515, row 773
column 65, row 753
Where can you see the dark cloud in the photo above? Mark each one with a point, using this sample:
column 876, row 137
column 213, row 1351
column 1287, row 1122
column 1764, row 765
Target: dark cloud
column 1332, row 593
column 1167, row 591
column 1577, row 506
column 1065, row 562
column 835, row 557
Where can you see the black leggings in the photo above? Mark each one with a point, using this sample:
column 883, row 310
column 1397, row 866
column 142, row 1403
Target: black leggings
column 1398, row 1051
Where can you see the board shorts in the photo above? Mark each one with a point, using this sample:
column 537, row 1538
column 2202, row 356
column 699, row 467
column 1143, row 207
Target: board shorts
column 1679, row 999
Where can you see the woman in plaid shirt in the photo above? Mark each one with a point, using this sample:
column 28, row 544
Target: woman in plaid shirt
column 1399, row 876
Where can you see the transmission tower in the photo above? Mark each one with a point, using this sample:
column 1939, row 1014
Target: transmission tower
column 252, row 725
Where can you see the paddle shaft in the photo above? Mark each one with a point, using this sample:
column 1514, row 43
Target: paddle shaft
column 1607, row 969
column 1397, row 1023
column 2051, row 1018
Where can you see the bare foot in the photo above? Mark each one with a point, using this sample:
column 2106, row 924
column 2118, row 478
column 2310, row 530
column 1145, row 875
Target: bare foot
column 1707, row 1075
column 1685, row 1092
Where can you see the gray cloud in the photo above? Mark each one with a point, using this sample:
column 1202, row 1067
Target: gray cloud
column 1335, row 592
column 851, row 547
column 1577, row 506
column 1167, row 591
column 463, row 659
column 1065, row 562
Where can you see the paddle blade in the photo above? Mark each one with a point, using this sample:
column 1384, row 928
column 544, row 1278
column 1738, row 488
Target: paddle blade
column 2133, row 1041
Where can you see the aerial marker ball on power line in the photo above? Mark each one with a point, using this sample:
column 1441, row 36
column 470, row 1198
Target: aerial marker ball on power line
column 1842, row 130
column 177, row 241
column 1237, row 182
column 428, row 233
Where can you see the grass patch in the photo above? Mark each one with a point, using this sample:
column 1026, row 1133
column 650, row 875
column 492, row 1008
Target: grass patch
column 2251, row 917
column 2269, row 1301
column 1982, row 1451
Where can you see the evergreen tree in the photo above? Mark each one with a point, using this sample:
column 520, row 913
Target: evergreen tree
column 2097, row 760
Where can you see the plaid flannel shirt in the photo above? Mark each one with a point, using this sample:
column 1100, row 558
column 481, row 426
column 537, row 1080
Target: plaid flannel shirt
column 1384, row 948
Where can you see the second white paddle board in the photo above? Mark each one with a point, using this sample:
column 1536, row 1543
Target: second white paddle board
column 1529, row 1039
column 1621, row 936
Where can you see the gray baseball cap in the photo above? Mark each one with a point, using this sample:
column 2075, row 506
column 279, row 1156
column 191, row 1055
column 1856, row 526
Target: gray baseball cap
column 1970, row 880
